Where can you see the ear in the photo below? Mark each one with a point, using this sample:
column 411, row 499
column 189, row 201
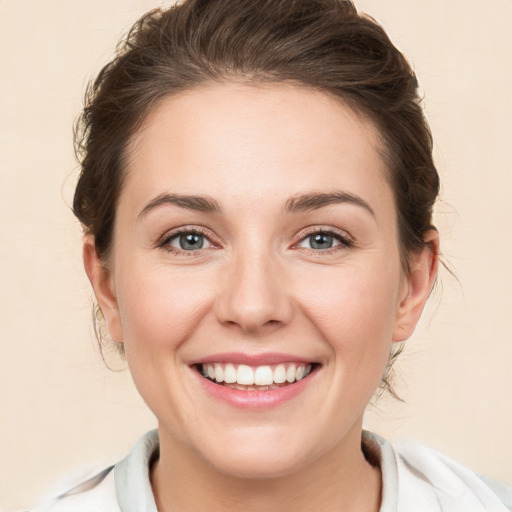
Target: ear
column 103, row 285
column 418, row 284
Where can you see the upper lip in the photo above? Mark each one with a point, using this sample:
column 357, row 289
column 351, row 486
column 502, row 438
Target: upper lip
column 269, row 358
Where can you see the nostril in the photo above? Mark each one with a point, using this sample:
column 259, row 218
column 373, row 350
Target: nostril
column 252, row 298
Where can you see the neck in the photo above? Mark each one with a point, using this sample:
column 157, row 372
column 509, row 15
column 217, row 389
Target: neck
column 340, row 480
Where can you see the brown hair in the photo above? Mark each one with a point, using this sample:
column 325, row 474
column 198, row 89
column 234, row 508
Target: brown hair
column 322, row 44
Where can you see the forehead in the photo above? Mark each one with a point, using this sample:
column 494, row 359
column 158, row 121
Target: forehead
column 245, row 141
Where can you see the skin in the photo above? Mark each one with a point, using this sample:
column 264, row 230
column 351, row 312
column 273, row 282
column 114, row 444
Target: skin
column 258, row 286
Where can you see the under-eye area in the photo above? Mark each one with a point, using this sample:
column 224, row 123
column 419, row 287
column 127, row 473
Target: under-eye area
column 256, row 378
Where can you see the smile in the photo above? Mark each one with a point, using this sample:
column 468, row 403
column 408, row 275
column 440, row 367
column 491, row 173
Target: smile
column 260, row 378
column 257, row 381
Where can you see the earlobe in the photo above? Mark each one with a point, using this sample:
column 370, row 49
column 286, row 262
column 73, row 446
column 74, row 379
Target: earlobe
column 419, row 283
column 101, row 281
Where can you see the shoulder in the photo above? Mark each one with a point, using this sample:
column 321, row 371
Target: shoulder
column 503, row 491
column 426, row 474
column 125, row 486
column 94, row 493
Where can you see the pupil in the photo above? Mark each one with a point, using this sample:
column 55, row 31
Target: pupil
column 191, row 241
column 321, row 241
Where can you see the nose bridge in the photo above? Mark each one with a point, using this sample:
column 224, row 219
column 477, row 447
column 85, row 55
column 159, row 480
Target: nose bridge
column 253, row 295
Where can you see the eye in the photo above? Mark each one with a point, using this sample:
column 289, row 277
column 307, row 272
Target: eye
column 188, row 241
column 324, row 240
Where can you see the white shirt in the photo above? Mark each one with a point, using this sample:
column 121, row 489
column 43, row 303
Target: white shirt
column 414, row 478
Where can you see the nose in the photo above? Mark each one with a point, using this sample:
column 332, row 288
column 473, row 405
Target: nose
column 252, row 295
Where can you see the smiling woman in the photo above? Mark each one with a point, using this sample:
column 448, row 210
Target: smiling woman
column 256, row 194
column 252, row 289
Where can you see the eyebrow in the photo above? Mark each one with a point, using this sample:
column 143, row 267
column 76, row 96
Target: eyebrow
column 201, row 203
column 301, row 203
column 314, row 201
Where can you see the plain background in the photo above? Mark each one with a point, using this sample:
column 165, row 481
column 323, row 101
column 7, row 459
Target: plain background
column 61, row 409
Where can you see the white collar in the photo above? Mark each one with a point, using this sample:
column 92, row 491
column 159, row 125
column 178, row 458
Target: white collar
column 414, row 477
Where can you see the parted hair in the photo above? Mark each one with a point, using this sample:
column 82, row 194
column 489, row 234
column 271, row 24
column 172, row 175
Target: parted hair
column 325, row 45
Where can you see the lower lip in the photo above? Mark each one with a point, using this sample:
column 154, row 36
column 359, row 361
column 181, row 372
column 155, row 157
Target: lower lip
column 254, row 399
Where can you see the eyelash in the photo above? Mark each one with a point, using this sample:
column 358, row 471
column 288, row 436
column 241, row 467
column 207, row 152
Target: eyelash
column 185, row 230
column 345, row 241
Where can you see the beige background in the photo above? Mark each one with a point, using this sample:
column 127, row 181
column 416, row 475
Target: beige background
column 60, row 408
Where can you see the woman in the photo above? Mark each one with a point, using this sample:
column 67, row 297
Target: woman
column 256, row 193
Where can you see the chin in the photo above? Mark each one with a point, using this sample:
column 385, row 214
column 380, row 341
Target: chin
column 264, row 455
column 257, row 466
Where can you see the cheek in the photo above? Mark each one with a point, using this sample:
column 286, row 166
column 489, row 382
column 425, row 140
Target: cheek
column 354, row 308
column 353, row 297
column 159, row 309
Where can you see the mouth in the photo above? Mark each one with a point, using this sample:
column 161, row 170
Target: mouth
column 243, row 377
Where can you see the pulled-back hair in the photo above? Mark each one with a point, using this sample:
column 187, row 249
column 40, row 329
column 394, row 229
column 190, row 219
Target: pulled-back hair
column 322, row 44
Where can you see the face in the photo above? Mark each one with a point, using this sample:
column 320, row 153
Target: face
column 255, row 243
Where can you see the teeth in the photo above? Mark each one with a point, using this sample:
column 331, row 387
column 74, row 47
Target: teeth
column 219, row 373
column 245, row 375
column 263, row 376
column 229, row 374
column 260, row 378
column 280, row 374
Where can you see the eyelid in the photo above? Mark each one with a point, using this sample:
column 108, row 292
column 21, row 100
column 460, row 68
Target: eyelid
column 345, row 239
column 171, row 241
column 165, row 239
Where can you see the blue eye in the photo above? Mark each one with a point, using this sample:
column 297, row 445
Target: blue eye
column 322, row 241
column 189, row 241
